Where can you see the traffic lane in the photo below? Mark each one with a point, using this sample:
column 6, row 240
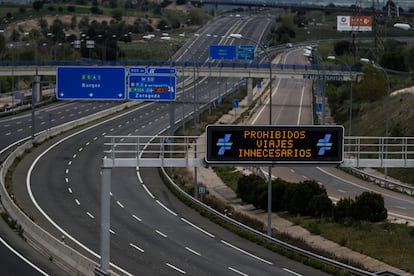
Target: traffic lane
column 19, row 126
column 17, row 256
column 77, row 148
column 11, row 264
column 52, row 186
column 342, row 185
column 254, row 260
column 160, row 193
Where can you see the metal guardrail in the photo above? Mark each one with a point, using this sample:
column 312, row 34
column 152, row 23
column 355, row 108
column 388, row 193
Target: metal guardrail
column 385, row 182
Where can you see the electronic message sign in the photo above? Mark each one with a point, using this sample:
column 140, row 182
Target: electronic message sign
column 152, row 83
column 90, row 83
column 232, row 144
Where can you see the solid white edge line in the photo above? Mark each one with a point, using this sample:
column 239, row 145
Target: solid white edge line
column 139, row 176
column 176, row 268
column 246, row 253
column 198, row 228
column 148, row 191
column 237, row 271
column 359, row 186
column 29, row 189
column 22, row 257
column 300, row 105
column 166, row 208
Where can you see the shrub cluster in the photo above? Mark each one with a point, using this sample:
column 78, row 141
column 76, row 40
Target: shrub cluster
column 308, row 198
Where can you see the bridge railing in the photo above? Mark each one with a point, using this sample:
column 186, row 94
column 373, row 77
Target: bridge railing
column 184, row 151
column 224, row 64
column 397, row 152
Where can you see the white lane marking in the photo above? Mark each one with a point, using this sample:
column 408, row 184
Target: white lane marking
column 87, row 143
column 22, row 257
column 166, row 208
column 80, row 149
column 29, row 189
column 160, row 233
column 137, row 218
column 246, row 253
column 67, row 171
column 341, row 191
column 95, row 138
column 77, row 202
column 400, row 207
column 66, row 180
column 198, row 228
column 359, row 186
column 74, row 156
column 136, row 247
column 146, row 189
column 300, row 105
column 120, row 204
column 8, row 134
column 112, row 231
column 292, row 272
column 90, row 215
column 139, row 176
column 69, row 163
column 176, row 268
column 70, row 190
column 193, row 251
column 237, row 271
column 20, row 130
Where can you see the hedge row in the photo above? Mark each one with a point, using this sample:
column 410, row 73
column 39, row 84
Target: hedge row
column 308, row 198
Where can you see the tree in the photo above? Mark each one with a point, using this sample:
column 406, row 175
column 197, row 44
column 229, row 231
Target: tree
column 342, row 47
column 117, row 14
column 372, row 87
column 37, row 5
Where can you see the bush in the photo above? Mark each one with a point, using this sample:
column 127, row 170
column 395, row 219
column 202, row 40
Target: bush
column 369, row 206
column 250, row 188
column 320, row 206
column 343, row 209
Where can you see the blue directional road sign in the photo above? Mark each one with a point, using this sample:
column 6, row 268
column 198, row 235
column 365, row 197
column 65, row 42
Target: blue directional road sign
column 90, row 83
column 221, row 52
column 152, row 83
column 245, row 52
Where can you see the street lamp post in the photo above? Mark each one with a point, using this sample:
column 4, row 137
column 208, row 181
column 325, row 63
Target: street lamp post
column 195, row 109
column 387, row 110
column 269, row 184
column 350, row 92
